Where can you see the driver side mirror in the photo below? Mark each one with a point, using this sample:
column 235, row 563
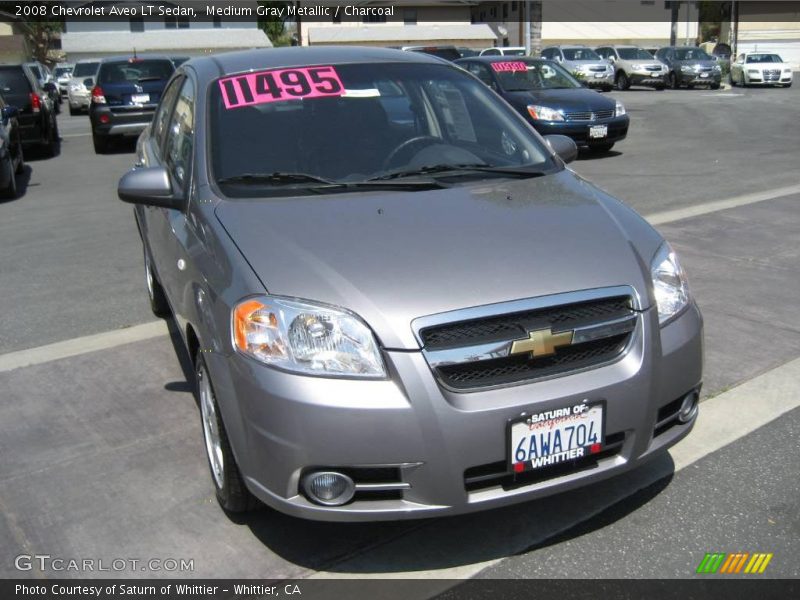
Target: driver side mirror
column 149, row 186
column 564, row 147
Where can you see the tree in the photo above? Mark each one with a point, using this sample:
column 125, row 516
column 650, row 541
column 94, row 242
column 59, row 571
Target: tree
column 273, row 26
column 39, row 35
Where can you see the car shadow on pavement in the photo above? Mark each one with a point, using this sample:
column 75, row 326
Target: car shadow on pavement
column 23, row 181
column 124, row 145
column 586, row 155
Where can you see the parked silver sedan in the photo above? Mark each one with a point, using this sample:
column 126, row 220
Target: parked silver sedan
column 398, row 301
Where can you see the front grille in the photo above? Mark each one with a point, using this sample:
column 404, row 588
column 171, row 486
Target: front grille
column 519, row 368
column 704, row 69
column 496, row 474
column 511, row 326
column 586, row 115
column 597, row 69
column 476, row 353
column 652, row 68
column 772, row 74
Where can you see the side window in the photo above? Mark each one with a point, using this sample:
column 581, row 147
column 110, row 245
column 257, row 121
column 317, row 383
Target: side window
column 602, row 52
column 547, row 53
column 492, row 52
column 180, row 135
column 481, row 72
column 162, row 114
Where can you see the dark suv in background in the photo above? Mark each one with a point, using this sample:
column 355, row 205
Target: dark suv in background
column 690, row 66
column 35, row 110
column 125, row 96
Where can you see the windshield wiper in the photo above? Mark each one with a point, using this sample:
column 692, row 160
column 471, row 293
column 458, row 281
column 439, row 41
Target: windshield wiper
column 320, row 183
column 276, row 177
column 459, row 168
column 141, row 79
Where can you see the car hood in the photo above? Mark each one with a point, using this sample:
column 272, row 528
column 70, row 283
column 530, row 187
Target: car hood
column 391, row 257
column 644, row 62
column 693, row 62
column 569, row 100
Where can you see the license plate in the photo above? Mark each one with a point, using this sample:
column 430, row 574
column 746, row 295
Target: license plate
column 599, row 74
column 140, row 98
column 703, row 74
column 598, row 131
column 555, row 436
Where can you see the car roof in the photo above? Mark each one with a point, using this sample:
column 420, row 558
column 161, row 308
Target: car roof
column 293, row 56
column 125, row 59
column 494, row 59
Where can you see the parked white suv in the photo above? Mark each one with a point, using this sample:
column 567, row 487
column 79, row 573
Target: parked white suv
column 585, row 63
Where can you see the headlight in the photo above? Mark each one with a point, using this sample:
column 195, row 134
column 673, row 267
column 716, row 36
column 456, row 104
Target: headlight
column 619, row 110
column 717, row 68
column 639, row 68
column 753, row 71
column 306, row 338
column 787, row 70
column 687, row 68
column 670, row 287
column 544, row 113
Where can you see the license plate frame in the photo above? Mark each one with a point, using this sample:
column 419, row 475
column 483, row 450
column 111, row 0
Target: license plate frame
column 588, row 449
column 597, row 132
column 140, row 98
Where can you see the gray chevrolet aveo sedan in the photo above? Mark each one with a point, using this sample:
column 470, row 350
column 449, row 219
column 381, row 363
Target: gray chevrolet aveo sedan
column 398, row 301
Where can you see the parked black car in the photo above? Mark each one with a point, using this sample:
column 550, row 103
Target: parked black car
column 36, row 112
column 11, row 159
column 126, row 95
column 552, row 100
column 690, row 66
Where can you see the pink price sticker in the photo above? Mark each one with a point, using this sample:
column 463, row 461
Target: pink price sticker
column 505, row 66
column 277, row 85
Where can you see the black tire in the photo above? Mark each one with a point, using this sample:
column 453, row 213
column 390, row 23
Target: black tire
column 10, row 191
column 155, row 293
column 608, row 88
column 601, row 148
column 674, row 82
column 714, row 86
column 51, row 146
column 74, row 111
column 232, row 493
column 787, row 85
column 733, row 81
column 660, row 87
column 100, row 143
column 623, row 83
column 21, row 162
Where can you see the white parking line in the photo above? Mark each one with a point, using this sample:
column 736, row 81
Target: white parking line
column 81, row 345
column 722, row 420
column 110, row 339
column 71, row 135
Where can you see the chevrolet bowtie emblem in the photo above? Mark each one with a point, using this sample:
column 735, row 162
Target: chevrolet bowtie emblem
column 542, row 342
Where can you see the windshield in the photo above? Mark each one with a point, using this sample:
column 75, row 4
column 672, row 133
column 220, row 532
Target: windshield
column 85, row 69
column 135, row 71
column 523, row 76
column 514, row 52
column 763, row 58
column 691, row 54
column 13, row 81
column 360, row 122
column 634, row 54
column 62, row 71
column 580, row 54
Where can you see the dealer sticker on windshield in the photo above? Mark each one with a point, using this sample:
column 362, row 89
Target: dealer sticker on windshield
column 555, row 436
column 509, row 65
column 275, row 85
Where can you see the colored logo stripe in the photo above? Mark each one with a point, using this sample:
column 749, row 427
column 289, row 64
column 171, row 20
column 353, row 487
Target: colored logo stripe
column 721, row 562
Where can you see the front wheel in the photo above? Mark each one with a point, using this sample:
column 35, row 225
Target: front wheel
column 714, row 86
column 622, row 81
column 786, row 85
column 100, row 143
column 10, row 191
column 73, row 111
column 231, row 491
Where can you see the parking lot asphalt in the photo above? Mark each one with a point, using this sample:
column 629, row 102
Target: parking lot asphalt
column 103, row 451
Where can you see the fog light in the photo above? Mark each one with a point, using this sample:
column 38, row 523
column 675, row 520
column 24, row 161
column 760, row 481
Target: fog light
column 328, row 488
column 689, row 407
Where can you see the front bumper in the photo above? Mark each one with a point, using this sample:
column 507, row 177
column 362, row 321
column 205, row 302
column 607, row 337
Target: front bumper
column 281, row 424
column 693, row 78
column 579, row 131
column 120, row 121
column 648, row 79
column 769, row 79
column 604, row 80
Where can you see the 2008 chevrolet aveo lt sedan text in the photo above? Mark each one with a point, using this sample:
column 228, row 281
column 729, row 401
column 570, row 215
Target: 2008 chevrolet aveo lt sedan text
column 398, row 300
